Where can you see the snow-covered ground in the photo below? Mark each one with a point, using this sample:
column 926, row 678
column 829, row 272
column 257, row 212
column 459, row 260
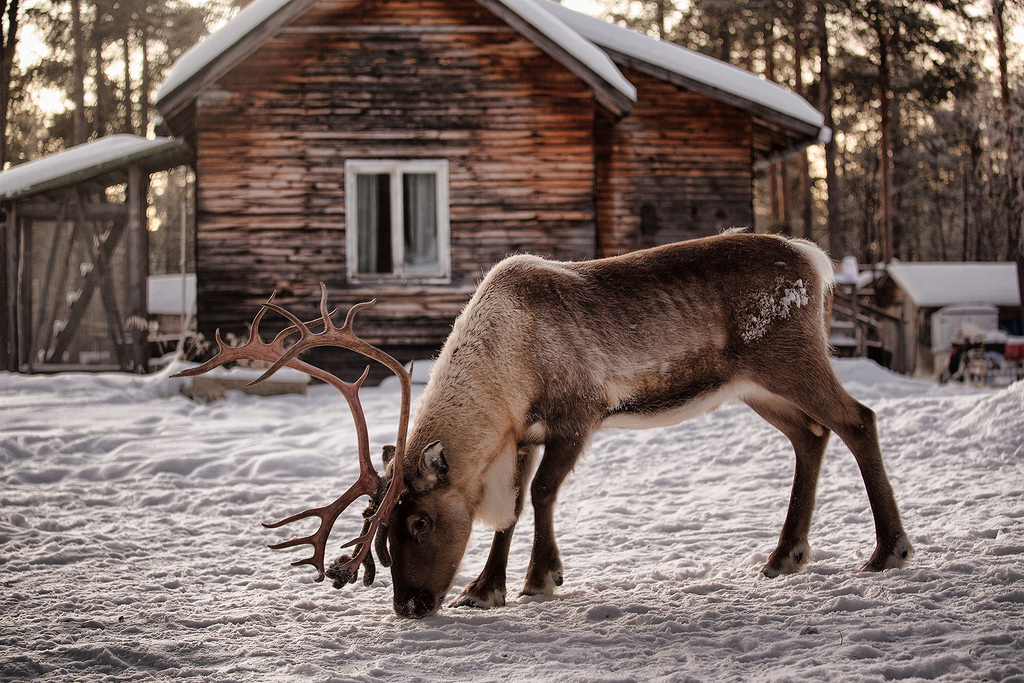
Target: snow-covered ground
column 131, row 547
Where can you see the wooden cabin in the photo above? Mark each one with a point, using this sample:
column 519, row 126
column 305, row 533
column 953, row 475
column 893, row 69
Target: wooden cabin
column 396, row 149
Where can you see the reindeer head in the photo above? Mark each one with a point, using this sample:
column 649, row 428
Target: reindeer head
column 427, row 534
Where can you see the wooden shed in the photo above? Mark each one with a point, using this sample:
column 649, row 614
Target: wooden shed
column 74, row 253
column 396, row 149
column 916, row 291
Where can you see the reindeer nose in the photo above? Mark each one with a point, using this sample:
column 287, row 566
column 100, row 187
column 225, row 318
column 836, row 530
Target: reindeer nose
column 416, row 605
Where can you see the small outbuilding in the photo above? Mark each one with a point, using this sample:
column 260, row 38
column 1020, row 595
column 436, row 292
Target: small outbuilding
column 948, row 292
column 74, row 253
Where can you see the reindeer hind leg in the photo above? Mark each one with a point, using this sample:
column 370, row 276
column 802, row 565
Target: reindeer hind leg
column 818, row 393
column 809, row 440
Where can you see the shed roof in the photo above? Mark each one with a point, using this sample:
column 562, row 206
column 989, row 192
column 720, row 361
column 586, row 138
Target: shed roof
column 932, row 285
column 585, row 44
column 88, row 161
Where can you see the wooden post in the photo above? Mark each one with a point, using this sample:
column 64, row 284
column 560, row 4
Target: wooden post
column 1020, row 286
column 23, row 294
column 7, row 361
column 138, row 268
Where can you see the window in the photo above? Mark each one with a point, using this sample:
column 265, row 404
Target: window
column 397, row 218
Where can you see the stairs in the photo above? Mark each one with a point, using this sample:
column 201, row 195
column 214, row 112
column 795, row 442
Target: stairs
column 843, row 337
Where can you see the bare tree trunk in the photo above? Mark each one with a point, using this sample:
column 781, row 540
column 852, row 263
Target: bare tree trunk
column 102, row 87
column 9, row 36
column 660, row 17
column 1015, row 236
column 836, row 239
column 806, row 199
column 968, row 182
column 79, row 132
column 885, row 181
column 145, row 83
column 129, row 125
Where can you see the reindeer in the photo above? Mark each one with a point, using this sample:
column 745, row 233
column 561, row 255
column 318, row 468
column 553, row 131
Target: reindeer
column 544, row 355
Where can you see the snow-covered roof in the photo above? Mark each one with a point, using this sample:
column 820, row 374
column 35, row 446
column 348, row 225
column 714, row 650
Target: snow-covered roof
column 82, row 162
column 204, row 53
column 572, row 42
column 711, row 72
column 583, row 38
column 931, row 285
column 219, row 51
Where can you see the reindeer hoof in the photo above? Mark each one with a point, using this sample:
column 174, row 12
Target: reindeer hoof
column 471, row 597
column 545, row 586
column 787, row 562
column 893, row 555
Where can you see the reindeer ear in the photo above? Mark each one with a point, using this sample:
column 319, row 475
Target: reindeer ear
column 388, row 456
column 433, row 466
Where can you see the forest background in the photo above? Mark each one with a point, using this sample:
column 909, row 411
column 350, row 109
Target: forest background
column 924, row 98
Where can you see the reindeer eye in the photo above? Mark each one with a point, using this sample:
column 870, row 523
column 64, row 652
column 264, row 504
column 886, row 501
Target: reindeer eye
column 419, row 527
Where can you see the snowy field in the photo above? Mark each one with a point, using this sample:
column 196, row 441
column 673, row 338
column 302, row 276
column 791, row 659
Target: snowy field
column 131, row 547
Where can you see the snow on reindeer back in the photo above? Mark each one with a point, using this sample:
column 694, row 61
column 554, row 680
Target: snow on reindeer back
column 774, row 306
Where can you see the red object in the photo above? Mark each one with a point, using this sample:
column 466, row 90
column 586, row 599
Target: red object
column 1014, row 352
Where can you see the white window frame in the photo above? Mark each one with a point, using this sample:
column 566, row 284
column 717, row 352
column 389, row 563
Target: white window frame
column 395, row 168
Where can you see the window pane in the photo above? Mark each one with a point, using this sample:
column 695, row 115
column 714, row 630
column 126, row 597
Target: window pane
column 420, row 212
column 373, row 222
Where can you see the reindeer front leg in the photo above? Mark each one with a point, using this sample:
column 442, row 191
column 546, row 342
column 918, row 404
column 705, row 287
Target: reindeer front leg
column 488, row 589
column 560, row 455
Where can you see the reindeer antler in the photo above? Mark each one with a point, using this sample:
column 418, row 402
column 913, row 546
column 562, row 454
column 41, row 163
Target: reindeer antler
column 383, row 495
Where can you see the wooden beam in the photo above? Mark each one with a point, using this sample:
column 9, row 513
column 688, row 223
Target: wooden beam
column 138, row 267
column 47, row 210
column 23, row 295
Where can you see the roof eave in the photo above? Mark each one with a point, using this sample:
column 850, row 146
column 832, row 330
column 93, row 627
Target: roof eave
column 171, row 104
column 618, row 100
column 806, row 133
column 171, row 153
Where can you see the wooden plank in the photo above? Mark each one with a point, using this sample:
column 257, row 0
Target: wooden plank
column 24, row 293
